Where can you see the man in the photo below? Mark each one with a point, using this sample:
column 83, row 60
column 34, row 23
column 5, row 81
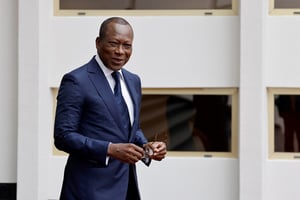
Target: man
column 90, row 123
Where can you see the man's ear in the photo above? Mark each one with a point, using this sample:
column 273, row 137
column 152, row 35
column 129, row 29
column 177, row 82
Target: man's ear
column 97, row 41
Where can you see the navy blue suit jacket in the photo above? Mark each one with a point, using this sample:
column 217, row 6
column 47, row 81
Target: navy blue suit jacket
column 86, row 121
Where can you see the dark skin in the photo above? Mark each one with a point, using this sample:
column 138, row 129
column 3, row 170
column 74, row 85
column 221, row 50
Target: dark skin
column 115, row 49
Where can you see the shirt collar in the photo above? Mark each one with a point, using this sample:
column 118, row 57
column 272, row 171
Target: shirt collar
column 107, row 72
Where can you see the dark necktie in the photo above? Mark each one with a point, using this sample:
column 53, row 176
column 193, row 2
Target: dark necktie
column 122, row 106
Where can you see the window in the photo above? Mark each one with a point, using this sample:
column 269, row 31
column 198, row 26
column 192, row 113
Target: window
column 192, row 121
column 145, row 7
column 284, row 116
column 285, row 7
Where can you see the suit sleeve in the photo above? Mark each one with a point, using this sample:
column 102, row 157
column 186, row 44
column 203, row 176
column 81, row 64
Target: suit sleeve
column 70, row 104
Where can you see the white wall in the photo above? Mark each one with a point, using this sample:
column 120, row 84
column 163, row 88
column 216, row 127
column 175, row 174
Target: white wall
column 251, row 51
column 9, row 91
column 197, row 55
column 203, row 47
column 282, row 70
column 283, row 51
column 165, row 55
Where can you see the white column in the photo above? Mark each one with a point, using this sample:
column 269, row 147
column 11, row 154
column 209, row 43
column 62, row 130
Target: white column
column 34, row 108
column 28, row 165
column 35, row 101
column 253, row 120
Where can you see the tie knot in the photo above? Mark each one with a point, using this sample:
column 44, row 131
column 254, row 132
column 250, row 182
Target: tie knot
column 117, row 88
column 116, row 76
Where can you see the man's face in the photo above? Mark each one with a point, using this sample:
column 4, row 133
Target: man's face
column 115, row 47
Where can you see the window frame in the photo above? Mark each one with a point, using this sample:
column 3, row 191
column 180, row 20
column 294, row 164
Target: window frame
column 233, row 92
column 271, row 93
column 162, row 12
column 282, row 11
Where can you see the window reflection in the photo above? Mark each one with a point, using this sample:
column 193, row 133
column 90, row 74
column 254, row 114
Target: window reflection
column 286, row 4
column 145, row 4
column 287, row 123
column 188, row 122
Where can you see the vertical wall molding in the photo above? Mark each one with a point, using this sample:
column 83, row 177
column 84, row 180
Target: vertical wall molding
column 253, row 124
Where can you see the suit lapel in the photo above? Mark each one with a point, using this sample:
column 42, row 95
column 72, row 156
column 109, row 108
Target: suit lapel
column 130, row 83
column 103, row 89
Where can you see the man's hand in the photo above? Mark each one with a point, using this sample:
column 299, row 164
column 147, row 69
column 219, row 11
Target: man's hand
column 158, row 150
column 125, row 152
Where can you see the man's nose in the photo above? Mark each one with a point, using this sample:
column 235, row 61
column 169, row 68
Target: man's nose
column 120, row 49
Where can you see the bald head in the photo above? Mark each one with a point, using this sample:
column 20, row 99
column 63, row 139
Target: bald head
column 105, row 25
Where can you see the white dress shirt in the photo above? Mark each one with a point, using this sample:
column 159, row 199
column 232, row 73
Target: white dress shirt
column 107, row 72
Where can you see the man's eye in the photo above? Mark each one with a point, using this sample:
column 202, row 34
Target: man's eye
column 127, row 46
column 117, row 44
column 113, row 44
